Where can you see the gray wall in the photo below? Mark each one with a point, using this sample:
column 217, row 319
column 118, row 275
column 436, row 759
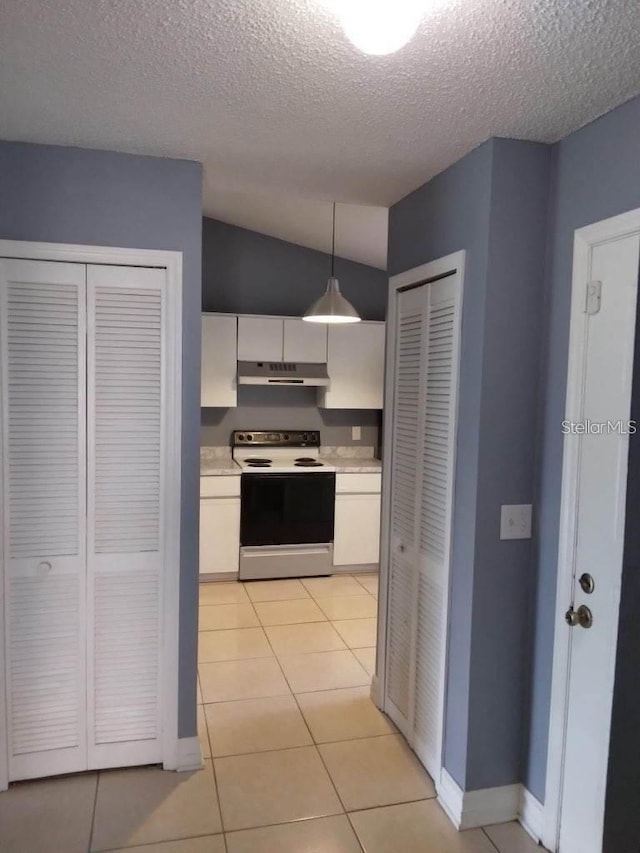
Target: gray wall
column 476, row 205
column 289, row 408
column 72, row 195
column 244, row 272
column 597, row 175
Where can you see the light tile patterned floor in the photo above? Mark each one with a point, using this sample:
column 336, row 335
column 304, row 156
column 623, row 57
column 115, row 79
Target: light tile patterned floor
column 297, row 757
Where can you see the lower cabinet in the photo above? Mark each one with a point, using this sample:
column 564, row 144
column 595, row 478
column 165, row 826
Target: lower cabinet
column 219, row 524
column 356, row 538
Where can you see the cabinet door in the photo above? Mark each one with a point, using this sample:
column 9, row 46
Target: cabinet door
column 357, row 530
column 306, row 342
column 127, row 368
column 219, row 535
column 260, row 338
column 219, row 361
column 42, row 357
column 355, row 362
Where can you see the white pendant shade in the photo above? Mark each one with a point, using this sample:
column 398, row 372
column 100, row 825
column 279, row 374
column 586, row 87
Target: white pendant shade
column 332, row 307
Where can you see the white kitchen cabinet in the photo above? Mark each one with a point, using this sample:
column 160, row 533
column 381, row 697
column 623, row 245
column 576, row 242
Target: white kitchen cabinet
column 355, row 363
column 219, row 524
column 356, row 539
column 304, row 342
column 260, row 338
column 281, row 339
column 219, row 361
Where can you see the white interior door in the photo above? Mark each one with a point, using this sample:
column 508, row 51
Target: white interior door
column 42, row 355
column 435, row 507
column 603, row 379
column 422, row 466
column 127, row 373
column 407, row 426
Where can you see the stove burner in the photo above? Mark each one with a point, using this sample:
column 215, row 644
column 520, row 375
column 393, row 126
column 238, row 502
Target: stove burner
column 259, row 464
column 259, row 459
column 304, row 459
column 308, row 464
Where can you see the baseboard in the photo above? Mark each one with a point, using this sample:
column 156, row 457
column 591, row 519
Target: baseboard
column 470, row 809
column 450, row 797
column 376, row 693
column 218, row 577
column 357, row 569
column 530, row 814
column 189, row 754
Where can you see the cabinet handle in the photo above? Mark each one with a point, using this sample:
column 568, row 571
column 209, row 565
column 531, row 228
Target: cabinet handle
column 44, row 567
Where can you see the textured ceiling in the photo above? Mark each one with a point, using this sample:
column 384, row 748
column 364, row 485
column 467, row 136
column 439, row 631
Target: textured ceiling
column 276, row 102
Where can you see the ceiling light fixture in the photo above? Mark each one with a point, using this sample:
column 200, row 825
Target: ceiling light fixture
column 332, row 307
column 379, row 26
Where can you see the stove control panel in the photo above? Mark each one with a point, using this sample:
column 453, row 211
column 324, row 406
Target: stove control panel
column 272, row 438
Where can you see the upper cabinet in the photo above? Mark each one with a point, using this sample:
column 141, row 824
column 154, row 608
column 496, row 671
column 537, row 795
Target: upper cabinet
column 260, row 339
column 354, row 355
column 281, row 339
column 219, row 367
column 355, row 362
column 306, row 342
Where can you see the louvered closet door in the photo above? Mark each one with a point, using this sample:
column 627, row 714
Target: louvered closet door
column 408, row 416
column 440, row 376
column 42, row 356
column 127, row 372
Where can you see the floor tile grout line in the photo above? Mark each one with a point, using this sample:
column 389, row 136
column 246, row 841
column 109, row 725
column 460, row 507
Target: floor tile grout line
column 215, row 781
column 302, row 745
column 491, row 841
column 93, row 815
column 164, row 841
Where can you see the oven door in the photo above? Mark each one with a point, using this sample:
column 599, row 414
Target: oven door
column 287, row 509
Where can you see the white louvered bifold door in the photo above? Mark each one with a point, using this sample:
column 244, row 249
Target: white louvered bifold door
column 440, row 379
column 42, row 356
column 424, row 429
column 127, row 374
column 404, row 524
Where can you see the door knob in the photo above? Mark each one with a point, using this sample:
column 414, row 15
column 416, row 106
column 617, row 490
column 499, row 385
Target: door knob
column 582, row 617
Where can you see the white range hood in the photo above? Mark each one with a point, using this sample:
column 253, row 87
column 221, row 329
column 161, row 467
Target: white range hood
column 282, row 373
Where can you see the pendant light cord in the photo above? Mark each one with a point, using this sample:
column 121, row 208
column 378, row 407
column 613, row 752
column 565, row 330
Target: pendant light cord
column 333, row 243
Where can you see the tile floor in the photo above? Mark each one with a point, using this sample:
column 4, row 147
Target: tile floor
column 297, row 757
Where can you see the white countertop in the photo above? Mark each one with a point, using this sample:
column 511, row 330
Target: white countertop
column 219, row 468
column 353, row 466
column 217, row 462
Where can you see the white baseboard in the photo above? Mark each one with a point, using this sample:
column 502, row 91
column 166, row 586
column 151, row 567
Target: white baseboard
column 375, row 692
column 530, row 814
column 450, row 797
column 189, row 754
column 471, row 809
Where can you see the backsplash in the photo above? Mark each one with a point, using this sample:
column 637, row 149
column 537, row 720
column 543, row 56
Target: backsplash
column 289, row 408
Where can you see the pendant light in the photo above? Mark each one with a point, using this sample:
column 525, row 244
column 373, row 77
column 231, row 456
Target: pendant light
column 379, row 27
column 332, row 307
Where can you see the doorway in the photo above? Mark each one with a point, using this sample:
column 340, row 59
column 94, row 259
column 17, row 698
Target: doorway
column 594, row 485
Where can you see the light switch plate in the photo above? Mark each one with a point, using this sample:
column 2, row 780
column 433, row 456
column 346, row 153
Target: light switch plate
column 356, row 433
column 515, row 521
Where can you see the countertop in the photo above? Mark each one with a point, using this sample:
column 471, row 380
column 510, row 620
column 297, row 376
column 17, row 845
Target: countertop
column 217, row 461
column 223, row 467
column 353, row 466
